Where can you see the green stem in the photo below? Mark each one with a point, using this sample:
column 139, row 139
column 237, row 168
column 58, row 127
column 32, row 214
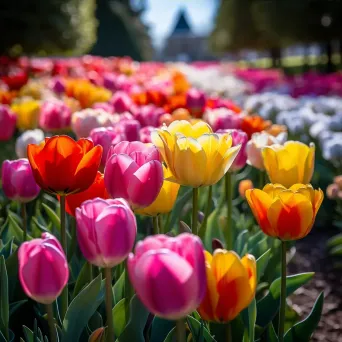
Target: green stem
column 91, row 274
column 128, row 290
column 207, row 211
column 155, row 225
column 180, row 330
column 51, row 321
column 109, row 305
column 229, row 200
column 195, row 211
column 229, row 332
column 24, row 217
column 282, row 293
column 160, row 223
column 64, row 294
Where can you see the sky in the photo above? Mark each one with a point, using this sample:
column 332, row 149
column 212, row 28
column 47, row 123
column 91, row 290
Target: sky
column 160, row 16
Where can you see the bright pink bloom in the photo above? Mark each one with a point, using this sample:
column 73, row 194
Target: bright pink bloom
column 106, row 137
column 222, row 118
column 149, row 115
column 106, row 231
column 145, row 134
column 57, row 84
column 195, row 101
column 104, row 106
column 54, row 115
column 18, row 182
column 121, row 102
column 43, row 268
column 169, row 274
column 134, row 172
column 7, row 123
column 129, row 128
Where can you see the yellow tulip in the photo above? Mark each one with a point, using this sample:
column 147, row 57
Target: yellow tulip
column 289, row 164
column 194, row 155
column 27, row 114
column 165, row 200
column 287, row 214
column 231, row 284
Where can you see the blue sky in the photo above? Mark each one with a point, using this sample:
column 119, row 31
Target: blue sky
column 161, row 14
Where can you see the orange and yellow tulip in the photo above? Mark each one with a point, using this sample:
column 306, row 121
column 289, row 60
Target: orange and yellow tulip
column 253, row 123
column 290, row 163
column 231, row 284
column 287, row 214
column 63, row 166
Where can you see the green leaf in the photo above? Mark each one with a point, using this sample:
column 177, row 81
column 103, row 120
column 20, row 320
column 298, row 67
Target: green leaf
column 268, row 306
column 7, row 249
column 195, row 327
column 83, row 279
column 260, row 248
column 16, row 305
column 119, row 288
column 95, row 321
column 177, row 209
column 302, row 331
column 262, row 263
column 4, row 301
column 15, row 230
column 171, row 335
column 335, row 240
column 30, row 335
column 40, row 226
column 134, row 330
column 271, row 334
column 120, row 316
column 241, row 242
column 52, row 216
column 81, row 309
column 73, row 242
column 336, row 251
column 252, row 314
column 160, row 329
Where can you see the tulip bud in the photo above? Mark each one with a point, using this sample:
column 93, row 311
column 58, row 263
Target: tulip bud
column 104, row 106
column 43, row 268
column 222, row 119
column 149, row 115
column 98, row 335
column 195, row 101
column 216, row 244
column 130, row 129
column 34, row 136
column 57, row 85
column 106, row 231
column 121, row 102
column 18, row 182
column 54, row 115
column 7, row 123
column 245, row 185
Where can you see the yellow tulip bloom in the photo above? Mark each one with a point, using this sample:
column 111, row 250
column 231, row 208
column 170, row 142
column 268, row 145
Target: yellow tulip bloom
column 231, row 284
column 194, row 155
column 27, row 114
column 289, row 164
column 287, row 214
column 166, row 199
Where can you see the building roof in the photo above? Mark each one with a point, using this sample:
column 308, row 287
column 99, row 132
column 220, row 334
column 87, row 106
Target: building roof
column 182, row 24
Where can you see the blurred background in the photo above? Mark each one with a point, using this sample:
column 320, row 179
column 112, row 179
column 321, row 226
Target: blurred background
column 291, row 34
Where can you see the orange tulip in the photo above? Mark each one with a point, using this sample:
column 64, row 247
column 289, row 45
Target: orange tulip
column 97, row 189
column 63, row 166
column 253, row 124
column 244, row 185
column 231, row 284
column 287, row 214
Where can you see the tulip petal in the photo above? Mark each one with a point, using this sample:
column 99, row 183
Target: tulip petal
column 85, row 144
column 250, row 264
column 309, row 164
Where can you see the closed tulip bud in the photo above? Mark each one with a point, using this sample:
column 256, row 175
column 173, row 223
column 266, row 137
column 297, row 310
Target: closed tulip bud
column 195, row 101
column 287, row 214
column 98, row 335
column 18, row 182
column 289, row 164
column 181, row 114
column 7, row 123
column 194, row 155
column 130, row 129
column 149, row 115
column 168, row 274
column 105, row 137
column 222, row 118
column 43, row 268
column 166, row 199
column 54, row 116
column 57, row 85
column 145, row 134
column 231, row 284
column 134, row 172
column 27, row 113
column 35, row 136
column 106, row 231
column 245, row 185
column 121, row 102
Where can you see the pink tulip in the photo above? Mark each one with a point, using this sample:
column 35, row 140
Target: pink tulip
column 223, row 118
column 43, row 268
column 239, row 138
column 169, row 274
column 54, row 115
column 149, row 115
column 57, row 85
column 104, row 106
column 106, row 137
column 129, row 128
column 121, row 102
column 195, row 101
column 7, row 123
column 134, row 172
column 145, row 134
column 106, row 231
column 18, row 182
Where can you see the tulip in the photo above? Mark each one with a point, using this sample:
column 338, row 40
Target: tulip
column 104, row 106
column 63, row 166
column 106, row 231
column 253, row 124
column 287, row 214
column 54, row 115
column 289, row 164
column 222, row 118
column 57, row 85
column 134, row 172
column 256, row 145
column 97, row 189
column 43, row 268
column 195, row 101
column 166, row 199
column 168, row 274
column 231, row 284
column 129, row 128
column 84, row 121
column 121, row 102
column 145, row 134
column 149, row 115
column 105, row 136
column 7, row 123
column 245, row 185
column 34, row 136
column 195, row 156
column 27, row 114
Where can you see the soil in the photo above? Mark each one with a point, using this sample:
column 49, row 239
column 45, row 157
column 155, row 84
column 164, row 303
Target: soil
column 312, row 255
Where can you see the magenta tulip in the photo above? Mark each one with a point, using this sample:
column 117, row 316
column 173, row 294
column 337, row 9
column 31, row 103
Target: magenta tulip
column 149, row 115
column 18, row 182
column 106, row 231
column 7, row 123
column 169, row 274
column 134, row 172
column 54, row 115
column 145, row 134
column 121, row 102
column 104, row 106
column 43, row 268
column 222, row 118
column 195, row 101
column 129, row 128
